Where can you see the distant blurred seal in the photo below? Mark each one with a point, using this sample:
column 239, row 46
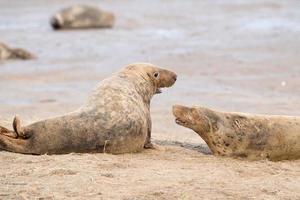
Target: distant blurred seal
column 14, row 53
column 115, row 119
column 243, row 135
column 82, row 17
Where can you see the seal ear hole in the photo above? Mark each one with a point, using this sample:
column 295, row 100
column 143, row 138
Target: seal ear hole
column 156, row 74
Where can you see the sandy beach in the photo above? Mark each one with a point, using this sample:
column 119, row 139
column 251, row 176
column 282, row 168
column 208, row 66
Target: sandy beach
column 238, row 56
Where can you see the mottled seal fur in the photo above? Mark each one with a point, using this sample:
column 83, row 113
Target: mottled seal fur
column 243, row 135
column 82, row 17
column 115, row 118
column 14, row 53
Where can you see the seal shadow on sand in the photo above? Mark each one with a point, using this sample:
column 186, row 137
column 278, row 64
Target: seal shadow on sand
column 201, row 148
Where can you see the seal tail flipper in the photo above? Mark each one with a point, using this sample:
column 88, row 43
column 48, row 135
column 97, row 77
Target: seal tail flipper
column 22, row 54
column 14, row 145
column 19, row 129
column 7, row 132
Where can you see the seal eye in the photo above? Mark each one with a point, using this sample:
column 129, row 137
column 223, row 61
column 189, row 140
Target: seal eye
column 156, row 74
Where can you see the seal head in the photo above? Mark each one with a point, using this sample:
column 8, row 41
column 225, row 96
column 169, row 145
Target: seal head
column 191, row 117
column 56, row 21
column 157, row 77
column 201, row 120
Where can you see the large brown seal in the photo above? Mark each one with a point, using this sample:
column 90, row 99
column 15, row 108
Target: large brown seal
column 82, row 17
column 243, row 135
column 14, row 53
column 115, row 119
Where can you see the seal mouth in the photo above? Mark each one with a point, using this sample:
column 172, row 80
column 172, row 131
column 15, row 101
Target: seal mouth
column 181, row 114
column 180, row 122
column 158, row 91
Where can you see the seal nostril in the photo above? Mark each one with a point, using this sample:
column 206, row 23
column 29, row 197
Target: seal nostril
column 55, row 24
column 175, row 78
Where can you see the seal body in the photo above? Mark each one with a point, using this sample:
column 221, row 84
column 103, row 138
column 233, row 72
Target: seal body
column 243, row 135
column 82, row 17
column 14, row 53
column 115, row 118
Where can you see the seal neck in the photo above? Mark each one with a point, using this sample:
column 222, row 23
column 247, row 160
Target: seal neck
column 143, row 85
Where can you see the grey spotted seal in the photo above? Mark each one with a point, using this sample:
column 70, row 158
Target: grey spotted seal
column 7, row 52
column 115, row 118
column 243, row 135
column 82, row 17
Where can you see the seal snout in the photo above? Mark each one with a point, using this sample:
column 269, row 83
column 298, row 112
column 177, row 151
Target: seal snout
column 180, row 114
column 174, row 77
column 56, row 22
column 167, row 78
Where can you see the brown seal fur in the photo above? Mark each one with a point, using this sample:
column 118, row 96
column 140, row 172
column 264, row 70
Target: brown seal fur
column 82, row 17
column 14, row 53
column 243, row 135
column 115, row 119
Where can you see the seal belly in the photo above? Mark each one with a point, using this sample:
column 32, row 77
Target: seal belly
column 108, row 132
column 70, row 133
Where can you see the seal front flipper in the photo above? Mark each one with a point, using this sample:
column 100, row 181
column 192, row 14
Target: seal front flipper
column 148, row 144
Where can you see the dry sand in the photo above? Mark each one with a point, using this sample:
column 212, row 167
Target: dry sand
column 230, row 55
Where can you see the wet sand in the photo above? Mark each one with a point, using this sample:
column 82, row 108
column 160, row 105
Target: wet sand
column 230, row 55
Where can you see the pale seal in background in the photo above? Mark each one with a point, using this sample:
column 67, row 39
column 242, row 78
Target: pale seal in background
column 115, row 119
column 14, row 53
column 243, row 135
column 82, row 17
